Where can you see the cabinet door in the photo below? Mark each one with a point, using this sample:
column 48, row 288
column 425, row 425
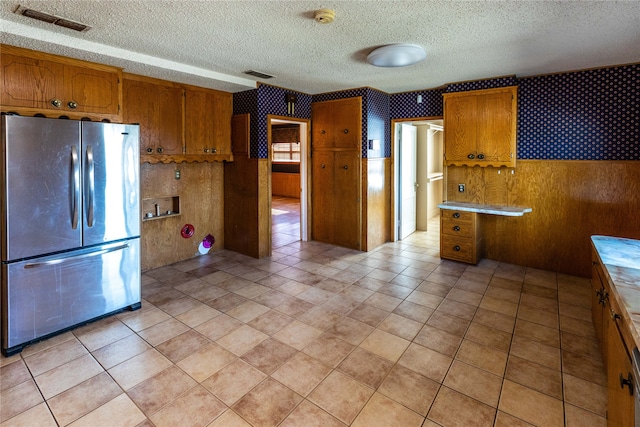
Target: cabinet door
column 460, row 124
column 240, row 134
column 337, row 124
column 159, row 111
column 620, row 407
column 208, row 122
column 597, row 306
column 346, row 117
column 323, row 201
column 31, row 83
column 321, row 124
column 496, row 127
column 347, row 192
column 91, row 91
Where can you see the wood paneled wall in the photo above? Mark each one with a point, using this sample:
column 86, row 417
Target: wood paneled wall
column 200, row 189
column 377, row 195
column 571, row 200
column 285, row 184
column 241, row 205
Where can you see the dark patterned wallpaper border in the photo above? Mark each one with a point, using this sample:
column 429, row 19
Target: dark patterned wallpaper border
column 582, row 115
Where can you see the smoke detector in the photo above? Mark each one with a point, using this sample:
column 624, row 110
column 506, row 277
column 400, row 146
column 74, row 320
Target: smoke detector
column 324, row 16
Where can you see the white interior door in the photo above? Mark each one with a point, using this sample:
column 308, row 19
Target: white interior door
column 408, row 183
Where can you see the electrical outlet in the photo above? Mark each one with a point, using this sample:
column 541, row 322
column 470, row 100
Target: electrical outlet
column 460, row 188
column 177, row 171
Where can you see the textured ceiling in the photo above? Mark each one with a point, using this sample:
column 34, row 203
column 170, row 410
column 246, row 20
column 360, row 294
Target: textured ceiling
column 210, row 43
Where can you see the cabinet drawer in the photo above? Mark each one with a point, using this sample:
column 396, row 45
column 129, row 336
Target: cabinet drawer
column 457, row 228
column 457, row 248
column 448, row 215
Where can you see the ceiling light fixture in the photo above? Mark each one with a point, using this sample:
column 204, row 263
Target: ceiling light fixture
column 396, row 55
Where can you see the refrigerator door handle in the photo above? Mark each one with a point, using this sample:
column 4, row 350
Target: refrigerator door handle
column 75, row 257
column 75, row 170
column 92, row 185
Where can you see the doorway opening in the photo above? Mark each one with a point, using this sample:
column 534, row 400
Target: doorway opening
column 288, row 172
column 418, row 164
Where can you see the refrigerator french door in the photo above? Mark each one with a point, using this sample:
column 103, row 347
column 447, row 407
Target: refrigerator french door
column 70, row 225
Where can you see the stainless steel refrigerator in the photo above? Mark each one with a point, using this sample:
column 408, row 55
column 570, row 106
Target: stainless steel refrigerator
column 70, row 225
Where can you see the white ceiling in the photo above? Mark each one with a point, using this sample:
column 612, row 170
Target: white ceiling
column 210, row 43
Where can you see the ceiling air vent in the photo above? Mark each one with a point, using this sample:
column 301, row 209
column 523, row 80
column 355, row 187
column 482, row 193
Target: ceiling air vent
column 51, row 19
column 258, row 74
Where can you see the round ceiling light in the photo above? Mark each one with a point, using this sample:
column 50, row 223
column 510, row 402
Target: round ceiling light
column 396, row 55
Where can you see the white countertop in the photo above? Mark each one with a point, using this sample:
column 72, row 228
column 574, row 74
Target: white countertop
column 620, row 259
column 485, row 209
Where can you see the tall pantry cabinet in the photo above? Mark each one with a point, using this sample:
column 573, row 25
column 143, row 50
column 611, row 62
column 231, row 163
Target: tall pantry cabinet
column 336, row 168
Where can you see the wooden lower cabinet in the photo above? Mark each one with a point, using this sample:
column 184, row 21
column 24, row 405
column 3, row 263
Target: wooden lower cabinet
column 620, row 381
column 616, row 345
column 336, row 198
column 460, row 236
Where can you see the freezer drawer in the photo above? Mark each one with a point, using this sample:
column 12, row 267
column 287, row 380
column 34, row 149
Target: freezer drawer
column 46, row 295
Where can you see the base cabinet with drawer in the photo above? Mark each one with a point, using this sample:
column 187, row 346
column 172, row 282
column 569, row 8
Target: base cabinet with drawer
column 616, row 344
column 460, row 236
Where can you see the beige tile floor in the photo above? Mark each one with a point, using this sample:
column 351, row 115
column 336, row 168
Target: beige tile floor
column 318, row 335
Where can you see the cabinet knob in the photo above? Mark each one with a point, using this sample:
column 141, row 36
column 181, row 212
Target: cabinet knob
column 206, row 150
column 614, row 315
column 160, row 150
column 456, row 215
column 481, row 156
column 56, row 103
column 323, row 131
column 471, row 156
column 346, row 167
column 627, row 382
column 214, row 150
column 346, row 131
column 322, row 166
column 149, row 150
column 72, row 104
column 456, row 248
column 456, row 228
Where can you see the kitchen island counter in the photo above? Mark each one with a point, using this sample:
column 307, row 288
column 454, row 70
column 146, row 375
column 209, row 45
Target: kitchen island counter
column 620, row 259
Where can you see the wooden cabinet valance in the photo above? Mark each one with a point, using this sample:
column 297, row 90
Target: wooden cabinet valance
column 40, row 83
column 480, row 127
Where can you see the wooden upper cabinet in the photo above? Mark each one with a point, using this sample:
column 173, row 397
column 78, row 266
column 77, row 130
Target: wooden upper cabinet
column 337, row 124
column 480, row 127
column 158, row 107
column 35, row 82
column 208, row 121
column 240, row 134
